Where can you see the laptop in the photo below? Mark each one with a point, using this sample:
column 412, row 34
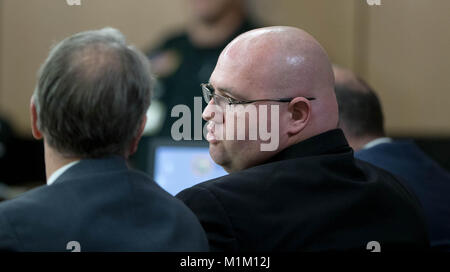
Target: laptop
column 176, row 166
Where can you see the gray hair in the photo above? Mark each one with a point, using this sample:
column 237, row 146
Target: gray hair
column 92, row 94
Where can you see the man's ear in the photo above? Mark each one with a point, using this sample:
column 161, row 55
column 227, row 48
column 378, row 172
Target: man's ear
column 300, row 110
column 37, row 134
column 135, row 143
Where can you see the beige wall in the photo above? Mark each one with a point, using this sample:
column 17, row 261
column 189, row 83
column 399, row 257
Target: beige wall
column 29, row 28
column 407, row 60
column 330, row 21
column 399, row 47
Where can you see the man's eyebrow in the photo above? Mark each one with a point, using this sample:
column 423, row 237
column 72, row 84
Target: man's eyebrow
column 225, row 91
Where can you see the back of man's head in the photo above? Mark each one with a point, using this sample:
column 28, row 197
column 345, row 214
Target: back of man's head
column 360, row 112
column 92, row 95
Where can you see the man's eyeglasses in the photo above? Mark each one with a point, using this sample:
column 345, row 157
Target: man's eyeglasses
column 209, row 93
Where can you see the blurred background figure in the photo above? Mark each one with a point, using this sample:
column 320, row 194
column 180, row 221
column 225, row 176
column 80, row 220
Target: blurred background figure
column 6, row 143
column 361, row 118
column 15, row 151
column 186, row 59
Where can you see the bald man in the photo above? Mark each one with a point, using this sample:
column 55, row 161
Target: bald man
column 305, row 192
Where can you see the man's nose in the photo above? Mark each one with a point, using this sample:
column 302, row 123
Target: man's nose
column 208, row 112
column 212, row 112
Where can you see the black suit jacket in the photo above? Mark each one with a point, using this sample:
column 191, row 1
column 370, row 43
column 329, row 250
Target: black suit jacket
column 429, row 181
column 312, row 196
column 103, row 206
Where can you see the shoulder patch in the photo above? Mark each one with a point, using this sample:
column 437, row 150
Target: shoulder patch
column 165, row 63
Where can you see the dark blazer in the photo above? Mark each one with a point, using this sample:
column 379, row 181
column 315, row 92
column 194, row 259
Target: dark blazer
column 103, row 206
column 312, row 196
column 426, row 178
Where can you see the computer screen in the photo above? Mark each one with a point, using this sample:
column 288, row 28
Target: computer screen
column 177, row 167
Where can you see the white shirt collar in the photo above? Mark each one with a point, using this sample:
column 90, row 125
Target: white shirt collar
column 59, row 172
column 378, row 141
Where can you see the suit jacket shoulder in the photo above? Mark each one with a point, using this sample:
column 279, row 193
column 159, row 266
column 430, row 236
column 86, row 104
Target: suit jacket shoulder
column 424, row 177
column 105, row 207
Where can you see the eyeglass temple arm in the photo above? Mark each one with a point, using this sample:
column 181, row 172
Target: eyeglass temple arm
column 276, row 100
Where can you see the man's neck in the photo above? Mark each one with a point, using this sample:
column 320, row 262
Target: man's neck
column 204, row 34
column 54, row 160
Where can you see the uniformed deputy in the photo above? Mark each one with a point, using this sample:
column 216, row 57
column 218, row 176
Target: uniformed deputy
column 186, row 59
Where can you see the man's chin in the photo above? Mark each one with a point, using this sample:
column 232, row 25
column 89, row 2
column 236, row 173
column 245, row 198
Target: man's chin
column 217, row 154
